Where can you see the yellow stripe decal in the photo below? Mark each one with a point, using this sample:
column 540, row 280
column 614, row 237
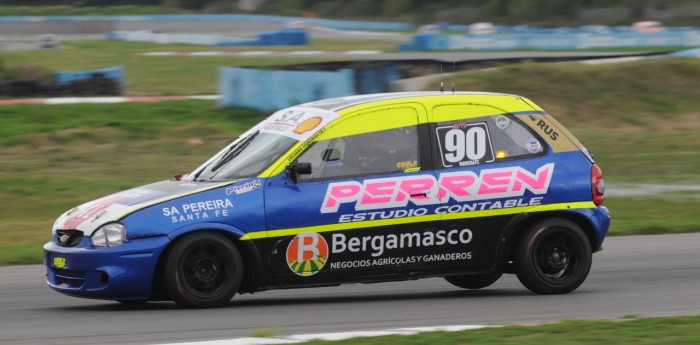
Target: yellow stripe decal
column 172, row 197
column 418, row 219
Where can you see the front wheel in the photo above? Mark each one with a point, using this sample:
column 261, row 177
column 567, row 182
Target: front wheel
column 203, row 270
column 474, row 281
column 553, row 257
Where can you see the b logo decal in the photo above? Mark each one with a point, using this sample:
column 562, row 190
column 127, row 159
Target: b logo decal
column 307, row 253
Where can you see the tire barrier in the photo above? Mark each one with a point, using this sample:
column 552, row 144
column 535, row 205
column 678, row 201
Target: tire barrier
column 104, row 82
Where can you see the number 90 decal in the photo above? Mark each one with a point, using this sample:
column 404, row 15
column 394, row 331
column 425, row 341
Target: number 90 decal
column 465, row 144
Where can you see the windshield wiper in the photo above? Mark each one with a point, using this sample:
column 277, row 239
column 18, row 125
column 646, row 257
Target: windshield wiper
column 233, row 152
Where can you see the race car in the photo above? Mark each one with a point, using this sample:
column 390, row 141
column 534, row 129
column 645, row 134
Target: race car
column 372, row 188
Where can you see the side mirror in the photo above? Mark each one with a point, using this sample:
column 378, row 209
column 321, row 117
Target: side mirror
column 298, row 169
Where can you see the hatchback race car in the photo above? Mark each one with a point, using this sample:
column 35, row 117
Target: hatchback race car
column 465, row 186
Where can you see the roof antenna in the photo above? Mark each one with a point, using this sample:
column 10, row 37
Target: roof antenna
column 453, row 77
column 442, row 86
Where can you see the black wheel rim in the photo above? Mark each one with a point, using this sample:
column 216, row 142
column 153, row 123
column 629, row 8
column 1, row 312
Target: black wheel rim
column 205, row 271
column 557, row 256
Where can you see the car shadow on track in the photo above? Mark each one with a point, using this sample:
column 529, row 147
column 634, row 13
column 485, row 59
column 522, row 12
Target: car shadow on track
column 259, row 299
column 375, row 297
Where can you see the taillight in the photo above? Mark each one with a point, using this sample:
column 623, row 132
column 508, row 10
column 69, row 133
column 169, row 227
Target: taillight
column 597, row 185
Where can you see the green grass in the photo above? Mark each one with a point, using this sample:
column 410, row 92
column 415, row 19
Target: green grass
column 167, row 75
column 655, row 214
column 56, row 157
column 670, row 330
column 622, row 94
column 651, row 156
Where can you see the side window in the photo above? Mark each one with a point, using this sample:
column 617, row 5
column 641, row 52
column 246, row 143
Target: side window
column 387, row 151
column 484, row 140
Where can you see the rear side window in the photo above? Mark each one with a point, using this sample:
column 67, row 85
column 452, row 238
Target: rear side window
column 484, row 140
column 381, row 152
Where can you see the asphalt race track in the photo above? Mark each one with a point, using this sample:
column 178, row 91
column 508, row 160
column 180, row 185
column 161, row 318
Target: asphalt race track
column 642, row 275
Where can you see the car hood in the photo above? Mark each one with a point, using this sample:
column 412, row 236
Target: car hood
column 91, row 215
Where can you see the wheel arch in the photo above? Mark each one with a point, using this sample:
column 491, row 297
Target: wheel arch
column 252, row 261
column 517, row 226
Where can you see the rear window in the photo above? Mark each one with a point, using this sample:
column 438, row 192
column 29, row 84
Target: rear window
column 484, row 140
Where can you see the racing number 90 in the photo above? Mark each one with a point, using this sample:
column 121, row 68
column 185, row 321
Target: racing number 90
column 459, row 143
column 464, row 144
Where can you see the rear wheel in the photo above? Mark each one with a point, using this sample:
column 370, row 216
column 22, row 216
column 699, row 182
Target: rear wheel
column 553, row 257
column 474, row 281
column 203, row 270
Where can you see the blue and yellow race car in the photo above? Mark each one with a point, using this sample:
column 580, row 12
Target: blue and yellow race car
column 465, row 186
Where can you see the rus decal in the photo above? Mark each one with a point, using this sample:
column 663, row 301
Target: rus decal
column 462, row 186
column 307, row 253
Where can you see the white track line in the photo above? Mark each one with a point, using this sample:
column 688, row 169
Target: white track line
column 104, row 100
column 301, row 338
column 612, row 60
column 265, row 53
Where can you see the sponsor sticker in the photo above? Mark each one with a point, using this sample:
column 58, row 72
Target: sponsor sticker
column 244, row 188
column 198, row 210
column 533, row 145
column 407, row 165
column 307, row 253
column 502, row 122
column 93, row 209
column 59, row 262
column 298, row 123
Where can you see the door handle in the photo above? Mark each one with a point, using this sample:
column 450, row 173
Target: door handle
column 418, row 193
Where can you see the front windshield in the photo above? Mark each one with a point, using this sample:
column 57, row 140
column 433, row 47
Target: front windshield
column 247, row 157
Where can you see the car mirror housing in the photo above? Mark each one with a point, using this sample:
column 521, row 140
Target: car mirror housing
column 295, row 170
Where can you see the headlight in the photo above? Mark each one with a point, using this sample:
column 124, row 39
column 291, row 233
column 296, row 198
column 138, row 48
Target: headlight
column 109, row 235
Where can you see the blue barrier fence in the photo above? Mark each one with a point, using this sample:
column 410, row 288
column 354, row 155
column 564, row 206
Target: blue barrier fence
column 274, row 89
column 115, row 72
column 585, row 29
column 335, row 24
column 568, row 41
column 285, row 37
column 268, row 90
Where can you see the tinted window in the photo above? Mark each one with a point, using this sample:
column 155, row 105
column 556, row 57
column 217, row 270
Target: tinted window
column 484, row 140
column 387, row 151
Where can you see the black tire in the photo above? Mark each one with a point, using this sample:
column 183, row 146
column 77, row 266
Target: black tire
column 553, row 257
column 203, row 270
column 474, row 281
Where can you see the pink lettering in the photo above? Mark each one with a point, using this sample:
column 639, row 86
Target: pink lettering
column 537, row 183
column 374, row 190
column 458, row 185
column 340, row 193
column 491, row 180
column 414, row 188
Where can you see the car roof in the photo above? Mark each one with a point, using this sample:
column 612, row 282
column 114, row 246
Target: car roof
column 335, row 104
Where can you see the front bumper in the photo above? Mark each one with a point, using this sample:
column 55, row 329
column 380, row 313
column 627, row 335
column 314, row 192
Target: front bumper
column 124, row 272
